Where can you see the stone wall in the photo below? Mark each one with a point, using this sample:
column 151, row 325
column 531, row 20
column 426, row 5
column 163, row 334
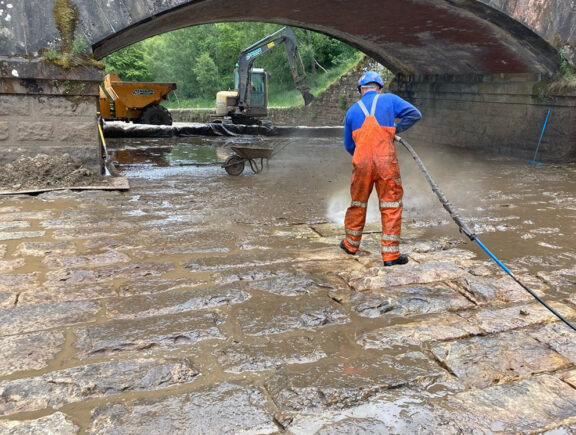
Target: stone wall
column 501, row 114
column 54, row 115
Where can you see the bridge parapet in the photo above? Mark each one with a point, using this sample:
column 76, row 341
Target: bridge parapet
column 45, row 109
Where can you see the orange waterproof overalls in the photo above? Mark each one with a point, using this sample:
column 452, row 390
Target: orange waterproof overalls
column 375, row 162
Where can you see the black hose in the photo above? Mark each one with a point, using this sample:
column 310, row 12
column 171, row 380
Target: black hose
column 464, row 228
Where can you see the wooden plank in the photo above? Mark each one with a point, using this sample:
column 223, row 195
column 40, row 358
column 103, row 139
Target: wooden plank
column 111, row 183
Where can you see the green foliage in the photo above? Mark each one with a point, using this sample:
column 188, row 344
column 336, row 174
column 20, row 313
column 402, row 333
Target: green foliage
column 567, row 72
column 206, row 74
column 80, row 46
column 201, row 60
column 129, row 63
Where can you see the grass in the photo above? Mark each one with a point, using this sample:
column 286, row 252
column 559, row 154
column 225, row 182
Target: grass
column 278, row 96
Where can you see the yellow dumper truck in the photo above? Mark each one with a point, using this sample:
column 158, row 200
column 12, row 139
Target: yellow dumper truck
column 138, row 102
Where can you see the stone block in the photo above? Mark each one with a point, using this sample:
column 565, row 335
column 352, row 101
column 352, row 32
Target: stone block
column 14, row 105
column 35, row 131
column 56, row 389
column 4, row 130
column 163, row 331
column 29, row 351
column 56, row 423
column 527, row 406
column 20, row 320
column 341, row 382
column 65, row 107
column 287, row 313
column 75, row 133
column 433, row 328
column 483, row 361
column 217, row 409
column 270, row 354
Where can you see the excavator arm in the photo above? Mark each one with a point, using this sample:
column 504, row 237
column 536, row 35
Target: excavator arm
column 247, row 57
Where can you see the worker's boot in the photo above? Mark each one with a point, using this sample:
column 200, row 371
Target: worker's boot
column 403, row 259
column 343, row 246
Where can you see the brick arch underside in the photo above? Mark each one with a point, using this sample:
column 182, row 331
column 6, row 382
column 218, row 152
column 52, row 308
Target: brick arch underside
column 407, row 36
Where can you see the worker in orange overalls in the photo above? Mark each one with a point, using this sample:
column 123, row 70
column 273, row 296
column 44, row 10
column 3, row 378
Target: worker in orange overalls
column 369, row 136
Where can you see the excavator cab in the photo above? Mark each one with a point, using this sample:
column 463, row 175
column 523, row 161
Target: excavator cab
column 258, row 105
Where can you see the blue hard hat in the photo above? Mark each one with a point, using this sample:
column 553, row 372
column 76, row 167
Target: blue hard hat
column 370, row 77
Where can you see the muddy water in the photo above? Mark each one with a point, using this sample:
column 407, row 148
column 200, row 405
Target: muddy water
column 525, row 213
column 202, row 300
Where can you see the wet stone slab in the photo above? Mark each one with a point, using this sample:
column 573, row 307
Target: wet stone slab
column 433, row 328
column 29, row 351
column 243, row 261
column 287, row 285
column 338, row 383
column 26, row 215
column 220, row 409
column 491, row 321
column 66, row 277
column 396, row 411
column 7, row 300
column 483, row 361
column 174, row 302
column 41, row 249
column 457, row 256
column 19, row 320
column 276, row 314
column 382, row 278
column 55, row 389
column 18, row 283
column 517, row 407
column 74, row 233
column 486, row 289
column 16, row 225
column 560, row 279
column 559, row 337
column 146, row 333
column 56, row 423
column 75, row 261
column 18, row 235
column 270, row 354
column 409, row 300
column 151, row 285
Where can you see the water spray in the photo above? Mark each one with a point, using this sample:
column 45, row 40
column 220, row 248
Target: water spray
column 464, row 229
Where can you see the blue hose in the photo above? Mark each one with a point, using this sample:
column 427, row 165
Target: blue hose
column 540, row 140
column 464, row 228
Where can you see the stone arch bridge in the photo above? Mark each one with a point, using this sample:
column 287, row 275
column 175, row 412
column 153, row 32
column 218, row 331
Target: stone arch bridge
column 476, row 68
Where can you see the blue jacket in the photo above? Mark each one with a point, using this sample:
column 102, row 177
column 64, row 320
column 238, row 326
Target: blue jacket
column 389, row 107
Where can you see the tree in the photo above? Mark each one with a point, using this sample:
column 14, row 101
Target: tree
column 206, row 73
column 129, row 63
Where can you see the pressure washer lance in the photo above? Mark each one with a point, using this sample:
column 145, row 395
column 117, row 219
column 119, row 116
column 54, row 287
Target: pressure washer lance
column 464, row 229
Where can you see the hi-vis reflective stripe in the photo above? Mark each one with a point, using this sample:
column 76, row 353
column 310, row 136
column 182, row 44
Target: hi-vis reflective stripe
column 390, row 248
column 373, row 108
column 359, row 204
column 391, row 237
column 390, row 204
column 353, row 232
column 363, row 107
column 353, row 242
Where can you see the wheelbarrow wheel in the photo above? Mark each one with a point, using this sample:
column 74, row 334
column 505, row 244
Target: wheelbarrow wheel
column 234, row 165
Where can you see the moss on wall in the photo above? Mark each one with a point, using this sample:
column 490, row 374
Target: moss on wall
column 65, row 15
column 73, row 50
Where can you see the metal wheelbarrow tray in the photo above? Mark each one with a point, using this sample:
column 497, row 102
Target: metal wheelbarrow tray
column 255, row 156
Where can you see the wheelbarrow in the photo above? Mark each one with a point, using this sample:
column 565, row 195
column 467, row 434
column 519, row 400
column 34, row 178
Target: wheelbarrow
column 257, row 157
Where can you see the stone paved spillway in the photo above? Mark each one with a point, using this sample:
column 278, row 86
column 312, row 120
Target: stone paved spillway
column 203, row 303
